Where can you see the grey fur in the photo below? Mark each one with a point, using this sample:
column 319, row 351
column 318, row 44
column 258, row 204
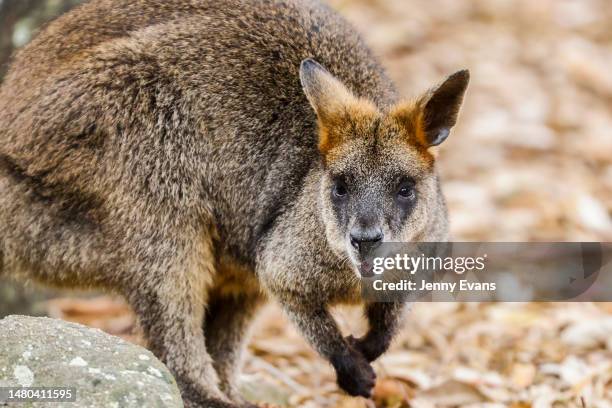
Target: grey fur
column 165, row 150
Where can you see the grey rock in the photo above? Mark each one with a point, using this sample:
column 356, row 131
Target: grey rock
column 105, row 370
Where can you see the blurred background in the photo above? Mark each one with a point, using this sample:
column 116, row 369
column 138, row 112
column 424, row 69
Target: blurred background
column 530, row 160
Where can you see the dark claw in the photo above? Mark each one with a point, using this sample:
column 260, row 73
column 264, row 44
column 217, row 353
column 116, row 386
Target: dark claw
column 355, row 374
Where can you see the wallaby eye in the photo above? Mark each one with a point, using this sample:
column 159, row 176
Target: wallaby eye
column 340, row 190
column 406, row 191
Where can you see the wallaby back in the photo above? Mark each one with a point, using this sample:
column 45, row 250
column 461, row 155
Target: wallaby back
column 166, row 149
column 166, row 106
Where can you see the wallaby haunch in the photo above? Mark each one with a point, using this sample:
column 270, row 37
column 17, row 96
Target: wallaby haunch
column 196, row 157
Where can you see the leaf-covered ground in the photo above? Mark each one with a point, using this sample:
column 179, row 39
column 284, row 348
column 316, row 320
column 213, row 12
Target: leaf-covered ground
column 517, row 355
column 531, row 159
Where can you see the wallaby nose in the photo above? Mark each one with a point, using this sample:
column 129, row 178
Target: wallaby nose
column 365, row 240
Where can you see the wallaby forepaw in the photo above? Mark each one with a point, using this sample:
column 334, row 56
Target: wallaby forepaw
column 369, row 348
column 355, row 375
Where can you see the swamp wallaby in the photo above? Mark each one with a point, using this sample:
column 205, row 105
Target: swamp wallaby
column 201, row 156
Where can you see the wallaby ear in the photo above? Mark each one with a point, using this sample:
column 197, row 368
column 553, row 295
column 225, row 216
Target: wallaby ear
column 334, row 103
column 327, row 95
column 440, row 107
column 435, row 113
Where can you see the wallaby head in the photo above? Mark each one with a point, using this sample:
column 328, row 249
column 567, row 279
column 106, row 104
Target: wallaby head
column 379, row 182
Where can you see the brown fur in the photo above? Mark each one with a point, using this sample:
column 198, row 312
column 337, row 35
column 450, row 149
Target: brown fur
column 356, row 119
column 165, row 150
